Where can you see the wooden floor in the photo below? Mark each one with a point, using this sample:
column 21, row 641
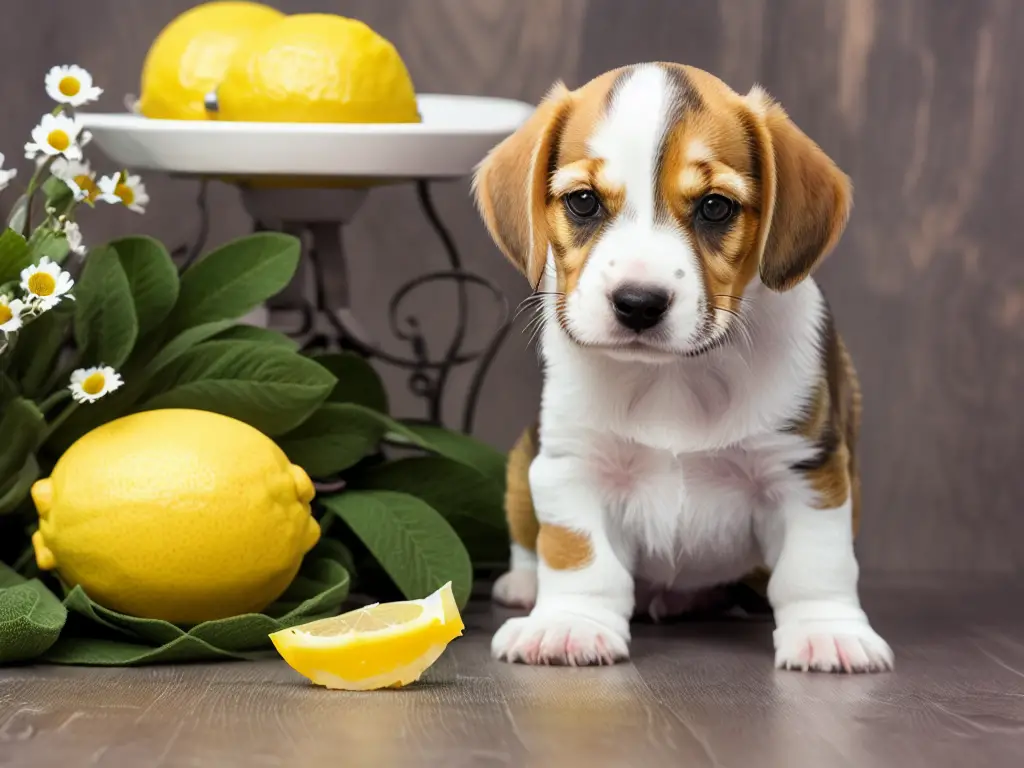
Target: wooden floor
column 695, row 695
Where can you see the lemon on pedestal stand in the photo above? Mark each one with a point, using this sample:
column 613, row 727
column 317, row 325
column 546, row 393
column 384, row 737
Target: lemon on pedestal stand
column 264, row 66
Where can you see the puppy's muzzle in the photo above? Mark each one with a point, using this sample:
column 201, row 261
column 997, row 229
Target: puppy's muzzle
column 640, row 308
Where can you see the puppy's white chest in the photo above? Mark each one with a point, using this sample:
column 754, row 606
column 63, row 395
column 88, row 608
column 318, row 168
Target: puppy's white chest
column 685, row 521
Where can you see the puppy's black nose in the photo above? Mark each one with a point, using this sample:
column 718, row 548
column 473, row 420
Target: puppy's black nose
column 639, row 308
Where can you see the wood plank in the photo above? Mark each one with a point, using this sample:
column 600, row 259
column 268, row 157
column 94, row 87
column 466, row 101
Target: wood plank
column 696, row 693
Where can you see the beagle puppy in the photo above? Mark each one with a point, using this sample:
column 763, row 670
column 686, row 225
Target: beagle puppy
column 700, row 413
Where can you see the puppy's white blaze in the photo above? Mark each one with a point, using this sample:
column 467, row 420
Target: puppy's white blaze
column 698, row 152
column 732, row 182
column 690, row 178
column 630, row 135
column 565, row 179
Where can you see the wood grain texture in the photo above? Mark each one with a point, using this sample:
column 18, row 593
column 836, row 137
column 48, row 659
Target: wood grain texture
column 917, row 99
column 697, row 694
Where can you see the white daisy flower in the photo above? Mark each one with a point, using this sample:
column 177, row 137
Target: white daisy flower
column 121, row 188
column 73, row 233
column 6, row 176
column 78, row 175
column 10, row 314
column 90, row 384
column 71, row 85
column 55, row 135
column 45, row 283
column 78, row 193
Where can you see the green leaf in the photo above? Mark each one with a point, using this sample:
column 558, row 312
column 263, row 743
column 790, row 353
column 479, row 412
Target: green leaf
column 31, row 618
column 334, row 438
column 319, row 591
column 233, row 279
column 357, row 383
column 123, row 400
column 454, row 445
column 472, row 503
column 414, row 544
column 38, row 349
column 255, row 333
column 57, row 193
column 14, row 255
column 182, row 343
column 16, row 492
column 152, row 279
column 18, row 214
column 48, row 242
column 266, row 386
column 21, row 425
column 8, row 389
column 105, row 322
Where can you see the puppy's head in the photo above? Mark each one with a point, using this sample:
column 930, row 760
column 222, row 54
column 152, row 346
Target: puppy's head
column 660, row 195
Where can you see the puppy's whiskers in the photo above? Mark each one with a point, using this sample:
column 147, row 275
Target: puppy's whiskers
column 533, row 300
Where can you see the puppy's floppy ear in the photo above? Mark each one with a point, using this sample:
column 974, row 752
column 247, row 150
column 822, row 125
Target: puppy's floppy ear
column 806, row 197
column 511, row 185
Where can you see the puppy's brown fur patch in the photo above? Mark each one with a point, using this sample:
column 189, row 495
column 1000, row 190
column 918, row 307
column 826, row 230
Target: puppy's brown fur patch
column 564, row 549
column 522, row 519
column 831, row 420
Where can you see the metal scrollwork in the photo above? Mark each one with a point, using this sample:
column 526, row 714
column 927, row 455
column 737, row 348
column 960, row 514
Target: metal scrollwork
column 325, row 322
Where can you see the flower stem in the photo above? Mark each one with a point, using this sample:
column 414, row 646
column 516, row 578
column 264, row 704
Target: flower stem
column 30, row 193
column 58, row 422
column 55, row 399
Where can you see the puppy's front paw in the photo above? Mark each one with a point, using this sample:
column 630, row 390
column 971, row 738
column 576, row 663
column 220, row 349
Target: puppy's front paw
column 831, row 645
column 517, row 588
column 570, row 640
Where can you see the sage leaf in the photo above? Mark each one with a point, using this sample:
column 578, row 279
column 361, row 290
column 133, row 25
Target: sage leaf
column 17, row 490
column 152, row 278
column 414, row 544
column 336, row 437
column 358, row 382
column 483, row 458
column 469, row 501
column 255, row 333
column 236, row 277
column 263, row 385
column 14, row 255
column 31, row 617
column 106, row 325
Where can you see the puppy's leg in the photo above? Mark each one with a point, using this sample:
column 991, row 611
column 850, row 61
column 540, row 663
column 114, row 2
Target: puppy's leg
column 518, row 587
column 813, row 591
column 585, row 592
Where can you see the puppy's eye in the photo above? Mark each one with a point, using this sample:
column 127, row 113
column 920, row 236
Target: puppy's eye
column 583, row 203
column 716, row 209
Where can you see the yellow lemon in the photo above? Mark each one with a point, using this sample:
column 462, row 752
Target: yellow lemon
column 380, row 646
column 187, row 60
column 178, row 515
column 317, row 68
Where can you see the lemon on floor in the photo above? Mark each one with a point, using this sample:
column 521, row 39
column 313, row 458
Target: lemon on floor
column 385, row 645
column 179, row 515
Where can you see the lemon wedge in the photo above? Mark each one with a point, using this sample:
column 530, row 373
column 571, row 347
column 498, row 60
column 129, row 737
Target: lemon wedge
column 384, row 645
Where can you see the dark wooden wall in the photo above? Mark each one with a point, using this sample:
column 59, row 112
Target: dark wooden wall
column 921, row 101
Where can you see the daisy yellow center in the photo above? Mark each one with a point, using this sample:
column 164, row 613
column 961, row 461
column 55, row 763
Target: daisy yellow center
column 70, row 86
column 126, row 194
column 5, row 314
column 42, row 284
column 87, row 185
column 59, row 140
column 94, row 383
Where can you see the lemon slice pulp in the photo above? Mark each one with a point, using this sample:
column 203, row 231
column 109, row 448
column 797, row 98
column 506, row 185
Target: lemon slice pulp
column 385, row 645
